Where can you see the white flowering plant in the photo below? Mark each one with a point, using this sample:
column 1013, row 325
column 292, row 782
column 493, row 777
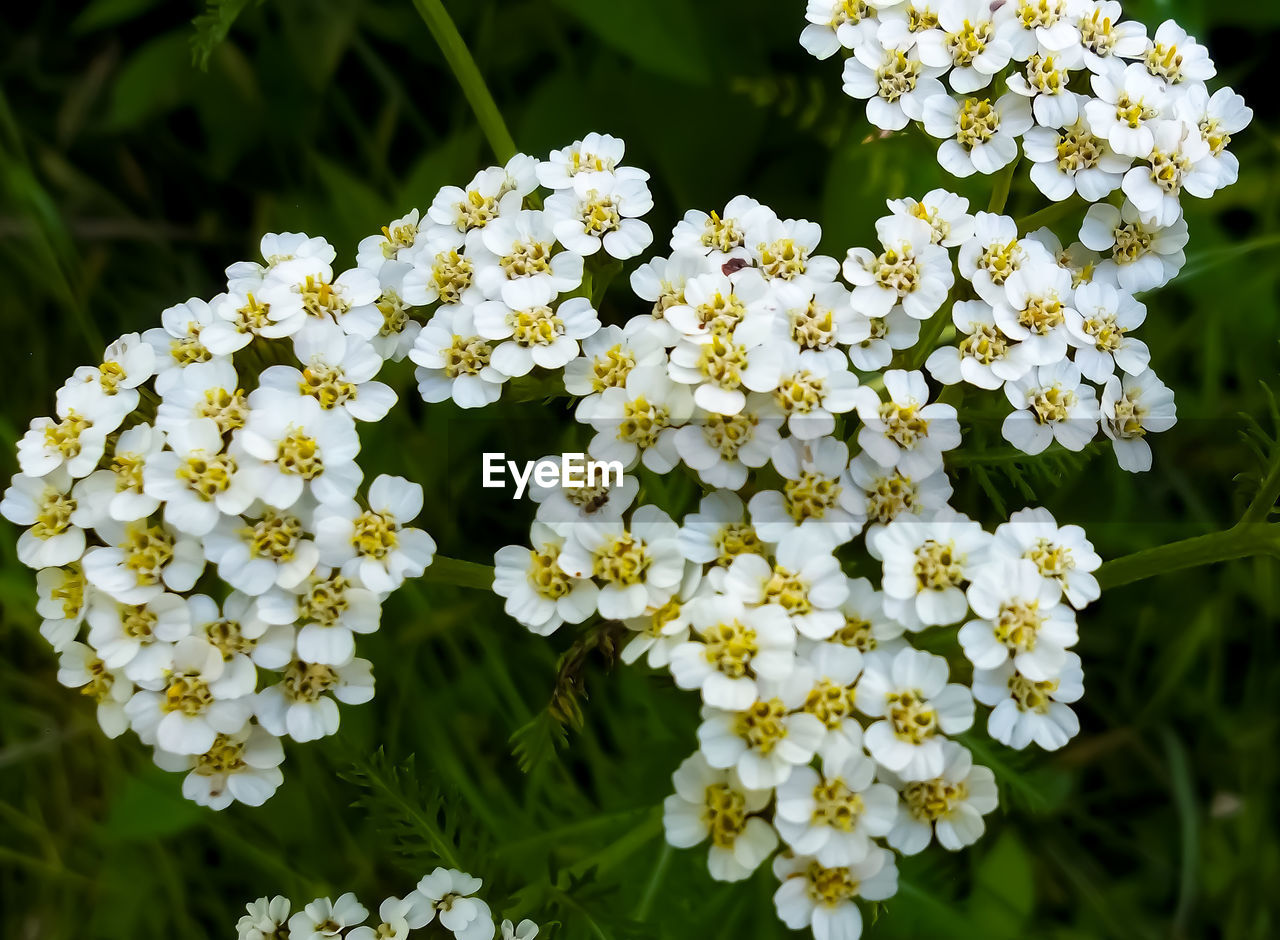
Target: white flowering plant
column 809, row 537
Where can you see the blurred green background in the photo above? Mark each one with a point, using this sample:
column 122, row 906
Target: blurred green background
column 130, row 178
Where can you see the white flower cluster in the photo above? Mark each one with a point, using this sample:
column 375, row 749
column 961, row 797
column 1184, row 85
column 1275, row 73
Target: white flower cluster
column 205, row 553
column 1107, row 115
column 506, row 279
column 447, row 897
column 823, row 728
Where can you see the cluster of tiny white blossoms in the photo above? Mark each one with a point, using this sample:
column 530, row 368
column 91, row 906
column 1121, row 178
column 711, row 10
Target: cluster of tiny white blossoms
column 205, row 550
column 824, row 730
column 447, row 897
column 1107, row 116
column 501, row 266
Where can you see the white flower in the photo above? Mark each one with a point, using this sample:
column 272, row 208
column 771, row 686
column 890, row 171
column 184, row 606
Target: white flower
column 74, row 441
column 79, row 667
column 196, row 480
column 337, row 371
column 277, row 248
column 1063, row 556
column 177, row 341
column 809, row 387
column 454, row 361
column 906, row 432
column 46, row 505
column 565, row 508
column 139, row 561
column 895, row 330
column 1143, row 255
column 722, row 448
column 947, row 214
column 1132, row 407
column 524, row 244
column 662, row 281
column 1104, row 39
column 291, row 445
column 715, row 803
column 1128, row 105
column 867, row 628
column 950, row 805
column 732, row 645
column 889, row 494
column 1037, row 301
column 1173, row 56
column 823, row 898
column 969, row 38
column 304, row 704
column 399, row 916
column 265, row 919
column 525, row 930
column 539, row 594
column 254, row 629
column 138, row 638
column 659, row 631
column 201, row 696
column 602, row 211
column 715, row 234
column 62, row 596
column 783, row 249
column 374, row 251
column 816, row 493
column 243, row 767
column 1217, row 118
column 116, row 491
column 203, row 390
column 994, row 253
column 374, row 547
column 984, row 357
column 909, row 693
column 835, row 815
column 1100, row 324
column 1021, row 620
column 110, row 390
column 926, row 565
column 714, row 303
column 718, row 532
column 895, row 83
column 1026, row 710
column 640, row 565
column 303, row 293
column 608, row 356
column 331, row 609
column 270, row 549
column 979, row 135
column 836, row 23
column 1070, row 159
column 451, row 895
column 911, row 271
column 441, row 272
column 235, row 320
column 1179, row 161
column 1043, row 24
column 1051, row 404
column 639, row 422
column 805, row 579
column 833, row 668
column 323, row 919
column 594, row 157
column 766, row 741
column 536, row 333
column 1044, row 79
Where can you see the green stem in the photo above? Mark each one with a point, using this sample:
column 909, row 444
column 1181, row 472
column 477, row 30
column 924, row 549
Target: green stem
column 468, row 574
column 1003, row 183
column 1240, row 541
column 468, row 75
column 1050, row 214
